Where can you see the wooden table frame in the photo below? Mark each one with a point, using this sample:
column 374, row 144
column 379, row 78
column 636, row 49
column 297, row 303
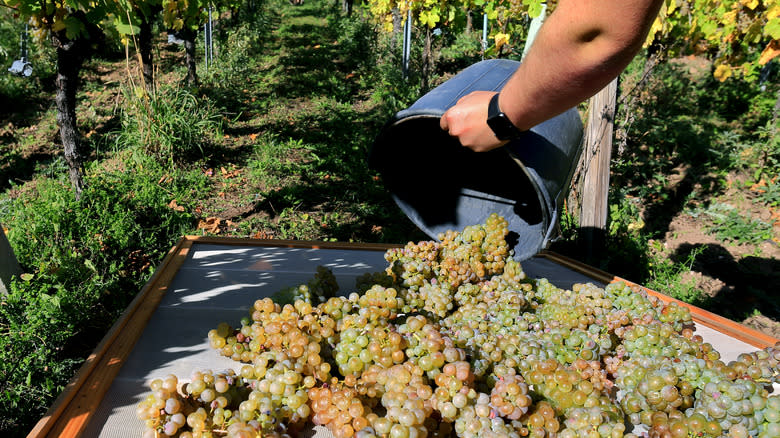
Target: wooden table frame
column 72, row 410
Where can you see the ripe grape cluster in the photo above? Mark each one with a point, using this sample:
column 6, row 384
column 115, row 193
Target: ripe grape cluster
column 453, row 339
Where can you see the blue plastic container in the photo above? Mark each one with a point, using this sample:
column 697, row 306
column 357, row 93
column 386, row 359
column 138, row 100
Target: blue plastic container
column 441, row 185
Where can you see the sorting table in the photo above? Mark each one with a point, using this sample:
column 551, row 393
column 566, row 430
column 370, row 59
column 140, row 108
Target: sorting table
column 205, row 280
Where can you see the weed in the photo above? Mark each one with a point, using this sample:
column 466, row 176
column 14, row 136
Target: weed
column 763, row 155
column 464, row 50
column 238, row 48
column 273, row 160
column 170, row 124
column 84, row 262
column 357, row 42
column 625, row 247
column 666, row 276
column 728, row 225
column 293, row 224
column 770, row 193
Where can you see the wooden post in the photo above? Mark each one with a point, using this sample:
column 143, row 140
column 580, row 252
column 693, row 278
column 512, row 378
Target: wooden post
column 9, row 267
column 596, row 157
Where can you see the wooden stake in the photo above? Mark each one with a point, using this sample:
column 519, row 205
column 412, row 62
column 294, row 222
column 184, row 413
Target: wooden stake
column 596, row 157
column 9, row 267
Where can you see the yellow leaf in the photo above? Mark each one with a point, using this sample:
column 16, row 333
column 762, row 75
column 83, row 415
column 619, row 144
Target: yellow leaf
column 722, row 72
column 773, row 12
column 657, row 27
column 58, row 25
column 501, row 39
column 771, row 51
column 750, row 4
column 729, row 17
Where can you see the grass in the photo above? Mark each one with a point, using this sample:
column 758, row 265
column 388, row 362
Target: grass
column 170, row 124
column 669, row 276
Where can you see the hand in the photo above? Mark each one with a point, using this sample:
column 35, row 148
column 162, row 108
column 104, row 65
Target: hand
column 467, row 121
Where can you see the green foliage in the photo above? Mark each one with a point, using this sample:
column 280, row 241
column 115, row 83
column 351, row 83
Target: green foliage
column 34, row 325
column 240, row 48
column 191, row 14
column 507, row 18
column 460, row 50
column 293, row 224
column 762, row 156
column 18, row 92
column 625, row 243
column 171, row 124
column 729, row 225
column 357, row 39
column 626, row 249
column 674, row 124
column 84, row 263
column 668, row 276
column 275, row 160
column 738, row 35
column 391, row 90
column 770, row 194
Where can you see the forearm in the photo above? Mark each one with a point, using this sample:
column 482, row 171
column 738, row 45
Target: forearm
column 583, row 46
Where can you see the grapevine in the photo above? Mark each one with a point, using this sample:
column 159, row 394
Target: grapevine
column 454, row 340
column 740, row 36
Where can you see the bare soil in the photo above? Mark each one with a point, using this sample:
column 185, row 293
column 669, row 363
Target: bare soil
column 738, row 280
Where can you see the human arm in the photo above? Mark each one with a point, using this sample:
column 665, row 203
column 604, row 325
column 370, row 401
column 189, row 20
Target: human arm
column 581, row 47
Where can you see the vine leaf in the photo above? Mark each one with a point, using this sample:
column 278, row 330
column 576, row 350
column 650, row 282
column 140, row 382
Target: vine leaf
column 771, row 51
column 722, row 72
column 750, row 4
column 772, row 28
column 501, row 39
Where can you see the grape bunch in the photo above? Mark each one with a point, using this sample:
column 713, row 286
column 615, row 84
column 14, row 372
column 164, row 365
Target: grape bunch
column 363, row 342
column 164, row 408
column 453, row 339
column 318, row 290
column 760, row 365
column 509, row 397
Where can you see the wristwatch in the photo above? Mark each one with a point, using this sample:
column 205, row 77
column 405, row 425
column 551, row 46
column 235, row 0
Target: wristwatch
column 499, row 122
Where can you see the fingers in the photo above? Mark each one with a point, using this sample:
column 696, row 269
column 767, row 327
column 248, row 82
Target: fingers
column 444, row 121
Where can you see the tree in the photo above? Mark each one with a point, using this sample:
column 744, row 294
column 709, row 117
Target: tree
column 72, row 26
column 185, row 17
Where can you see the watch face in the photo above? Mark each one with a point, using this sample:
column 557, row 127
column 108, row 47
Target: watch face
column 501, row 126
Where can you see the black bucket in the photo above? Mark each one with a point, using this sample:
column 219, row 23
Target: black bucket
column 441, row 185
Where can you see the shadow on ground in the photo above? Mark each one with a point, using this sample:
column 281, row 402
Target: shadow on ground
column 746, row 285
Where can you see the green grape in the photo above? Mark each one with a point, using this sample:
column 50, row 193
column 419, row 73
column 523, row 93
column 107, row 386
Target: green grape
column 453, row 339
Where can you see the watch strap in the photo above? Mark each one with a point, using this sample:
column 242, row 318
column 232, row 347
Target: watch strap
column 498, row 121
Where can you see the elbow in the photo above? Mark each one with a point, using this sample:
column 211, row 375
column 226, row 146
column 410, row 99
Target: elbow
column 606, row 45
